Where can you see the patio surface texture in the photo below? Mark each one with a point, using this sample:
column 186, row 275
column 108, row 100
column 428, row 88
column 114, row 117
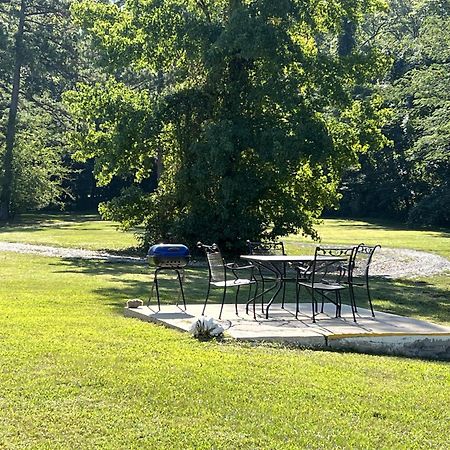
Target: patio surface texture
column 384, row 334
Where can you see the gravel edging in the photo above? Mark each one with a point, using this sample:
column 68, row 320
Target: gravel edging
column 64, row 252
column 387, row 262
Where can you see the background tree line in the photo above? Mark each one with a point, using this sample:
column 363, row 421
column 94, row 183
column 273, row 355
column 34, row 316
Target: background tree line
column 410, row 178
column 227, row 119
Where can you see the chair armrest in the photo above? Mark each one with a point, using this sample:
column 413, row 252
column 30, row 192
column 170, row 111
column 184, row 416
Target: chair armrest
column 234, row 266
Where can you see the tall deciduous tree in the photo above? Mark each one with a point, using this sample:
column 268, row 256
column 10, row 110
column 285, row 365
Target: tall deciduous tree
column 251, row 104
column 37, row 59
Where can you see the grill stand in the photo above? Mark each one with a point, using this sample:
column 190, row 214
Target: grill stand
column 180, row 276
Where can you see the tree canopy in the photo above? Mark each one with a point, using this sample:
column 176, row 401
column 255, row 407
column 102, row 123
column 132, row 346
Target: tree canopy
column 410, row 178
column 252, row 108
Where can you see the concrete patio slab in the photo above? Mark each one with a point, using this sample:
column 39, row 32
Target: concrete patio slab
column 384, row 334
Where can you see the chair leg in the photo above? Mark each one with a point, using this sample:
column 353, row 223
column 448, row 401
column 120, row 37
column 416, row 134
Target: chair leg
column 223, row 301
column 338, row 303
column 354, row 298
column 249, row 294
column 314, row 306
column 351, row 293
column 236, row 300
column 206, row 299
column 254, row 300
column 284, row 295
column 297, row 300
column 249, row 297
column 353, row 312
column 262, row 295
column 370, row 298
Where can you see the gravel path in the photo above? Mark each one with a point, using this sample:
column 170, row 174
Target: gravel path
column 387, row 262
column 64, row 252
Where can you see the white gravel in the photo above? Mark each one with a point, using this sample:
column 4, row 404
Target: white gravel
column 64, row 252
column 406, row 263
column 387, row 262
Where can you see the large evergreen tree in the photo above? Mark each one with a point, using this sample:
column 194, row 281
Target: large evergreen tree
column 249, row 106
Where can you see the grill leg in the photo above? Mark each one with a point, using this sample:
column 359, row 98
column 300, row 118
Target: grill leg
column 151, row 293
column 157, row 288
column 181, row 288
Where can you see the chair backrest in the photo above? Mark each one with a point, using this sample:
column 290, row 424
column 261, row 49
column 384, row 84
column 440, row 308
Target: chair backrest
column 216, row 264
column 266, row 248
column 362, row 258
column 331, row 271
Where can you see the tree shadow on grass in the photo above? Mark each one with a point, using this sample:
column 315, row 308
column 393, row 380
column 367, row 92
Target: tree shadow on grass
column 379, row 224
column 412, row 298
column 124, row 281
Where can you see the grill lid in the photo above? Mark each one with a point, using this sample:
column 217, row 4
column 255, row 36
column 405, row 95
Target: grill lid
column 169, row 251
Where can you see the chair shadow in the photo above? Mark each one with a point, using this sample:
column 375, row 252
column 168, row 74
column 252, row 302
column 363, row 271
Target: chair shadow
column 412, row 298
column 134, row 280
column 407, row 297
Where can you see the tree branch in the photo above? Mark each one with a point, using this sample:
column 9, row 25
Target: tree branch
column 205, row 8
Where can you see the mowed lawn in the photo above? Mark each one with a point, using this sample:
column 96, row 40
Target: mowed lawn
column 76, row 374
column 86, row 231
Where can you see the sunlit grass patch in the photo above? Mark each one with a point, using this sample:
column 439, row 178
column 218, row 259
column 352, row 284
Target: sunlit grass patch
column 76, row 373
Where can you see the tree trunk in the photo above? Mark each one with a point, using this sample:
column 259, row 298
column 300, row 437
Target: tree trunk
column 8, row 157
column 159, row 156
column 347, row 39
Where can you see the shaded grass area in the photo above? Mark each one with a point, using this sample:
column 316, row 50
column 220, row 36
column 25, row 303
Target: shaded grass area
column 85, row 231
column 422, row 298
column 427, row 299
column 75, row 373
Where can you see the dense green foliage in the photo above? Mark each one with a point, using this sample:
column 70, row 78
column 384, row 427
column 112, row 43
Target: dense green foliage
column 249, row 106
column 244, row 114
column 410, row 178
column 37, row 62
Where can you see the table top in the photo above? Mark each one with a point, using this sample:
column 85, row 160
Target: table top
column 291, row 258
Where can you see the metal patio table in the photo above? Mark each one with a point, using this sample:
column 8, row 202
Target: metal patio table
column 275, row 264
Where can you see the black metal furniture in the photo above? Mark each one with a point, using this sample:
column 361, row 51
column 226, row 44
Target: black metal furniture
column 359, row 271
column 267, row 275
column 220, row 277
column 168, row 257
column 328, row 273
column 274, row 263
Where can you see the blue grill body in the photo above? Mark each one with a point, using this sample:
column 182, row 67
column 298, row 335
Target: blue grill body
column 170, row 256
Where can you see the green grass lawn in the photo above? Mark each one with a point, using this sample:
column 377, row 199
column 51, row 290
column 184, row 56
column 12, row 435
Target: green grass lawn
column 352, row 232
column 85, row 231
column 76, row 373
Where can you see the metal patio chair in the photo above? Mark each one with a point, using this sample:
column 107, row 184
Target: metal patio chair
column 224, row 276
column 326, row 278
column 359, row 271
